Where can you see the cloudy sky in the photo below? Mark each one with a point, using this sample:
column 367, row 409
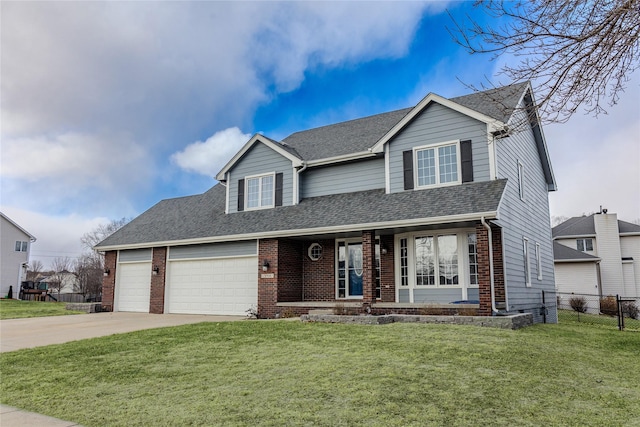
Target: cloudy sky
column 109, row 107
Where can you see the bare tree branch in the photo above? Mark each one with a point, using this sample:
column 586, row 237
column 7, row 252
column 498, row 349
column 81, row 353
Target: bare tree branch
column 577, row 54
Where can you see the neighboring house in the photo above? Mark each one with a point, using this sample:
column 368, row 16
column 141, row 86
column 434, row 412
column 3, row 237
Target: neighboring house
column 15, row 248
column 598, row 255
column 67, row 279
column 404, row 212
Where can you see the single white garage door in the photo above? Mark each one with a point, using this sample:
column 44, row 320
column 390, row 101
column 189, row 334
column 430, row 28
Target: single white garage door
column 134, row 287
column 213, row 286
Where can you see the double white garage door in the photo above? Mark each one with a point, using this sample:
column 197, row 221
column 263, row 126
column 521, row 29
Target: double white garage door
column 226, row 286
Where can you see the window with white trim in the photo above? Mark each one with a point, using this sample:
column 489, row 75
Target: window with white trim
column 472, row 243
column 259, row 191
column 436, row 260
column 21, row 246
column 404, row 263
column 521, row 180
column 584, row 245
column 315, row 251
column 437, row 165
column 527, row 264
column 538, row 261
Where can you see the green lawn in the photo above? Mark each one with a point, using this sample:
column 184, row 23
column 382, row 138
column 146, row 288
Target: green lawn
column 284, row 373
column 14, row 309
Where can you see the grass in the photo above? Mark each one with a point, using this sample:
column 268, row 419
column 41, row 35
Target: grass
column 602, row 320
column 274, row 373
column 15, row 309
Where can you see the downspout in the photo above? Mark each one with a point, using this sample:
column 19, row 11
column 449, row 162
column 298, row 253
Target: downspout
column 299, row 171
column 493, row 292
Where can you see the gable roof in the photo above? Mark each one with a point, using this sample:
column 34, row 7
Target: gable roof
column 284, row 150
column 562, row 253
column 585, row 226
column 201, row 218
column 498, row 103
column 32, row 238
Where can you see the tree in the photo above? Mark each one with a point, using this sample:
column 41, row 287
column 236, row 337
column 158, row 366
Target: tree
column 101, row 232
column 61, row 267
column 88, row 270
column 35, row 269
column 576, row 53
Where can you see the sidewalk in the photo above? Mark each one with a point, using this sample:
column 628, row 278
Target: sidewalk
column 14, row 417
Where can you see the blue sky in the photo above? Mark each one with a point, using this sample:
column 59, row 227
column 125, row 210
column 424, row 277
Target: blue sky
column 109, row 107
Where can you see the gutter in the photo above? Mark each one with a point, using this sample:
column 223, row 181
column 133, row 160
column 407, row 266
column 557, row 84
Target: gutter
column 493, row 291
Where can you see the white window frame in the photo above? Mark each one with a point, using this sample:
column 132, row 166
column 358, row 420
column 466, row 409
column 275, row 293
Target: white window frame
column 584, row 244
column 435, row 147
column 312, row 253
column 21, row 246
column 463, row 262
column 521, row 180
column 527, row 262
column 539, row 261
column 246, row 191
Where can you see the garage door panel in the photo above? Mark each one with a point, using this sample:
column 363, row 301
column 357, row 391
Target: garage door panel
column 134, row 286
column 213, row 286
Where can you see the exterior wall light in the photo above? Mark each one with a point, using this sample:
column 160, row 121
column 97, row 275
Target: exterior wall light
column 156, row 270
column 265, row 265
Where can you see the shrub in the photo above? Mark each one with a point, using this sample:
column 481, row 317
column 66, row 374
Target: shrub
column 288, row 313
column 467, row 312
column 340, row 309
column 609, row 305
column 630, row 309
column 578, row 304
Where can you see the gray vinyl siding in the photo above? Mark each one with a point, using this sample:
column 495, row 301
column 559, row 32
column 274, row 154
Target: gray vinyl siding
column 260, row 159
column 403, row 295
column 439, row 295
column 135, row 255
column 473, row 294
column 214, row 250
column 343, row 178
column 435, row 125
column 528, row 218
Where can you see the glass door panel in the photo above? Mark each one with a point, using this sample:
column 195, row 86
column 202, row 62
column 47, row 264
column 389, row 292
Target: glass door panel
column 355, row 269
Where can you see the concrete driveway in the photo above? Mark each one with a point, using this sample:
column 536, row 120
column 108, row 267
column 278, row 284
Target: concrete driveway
column 16, row 334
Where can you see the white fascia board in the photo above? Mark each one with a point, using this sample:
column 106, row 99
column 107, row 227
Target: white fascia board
column 311, row 231
column 575, row 236
column 31, row 237
column 342, row 158
column 220, row 176
column 493, row 124
column 630, row 234
column 559, row 261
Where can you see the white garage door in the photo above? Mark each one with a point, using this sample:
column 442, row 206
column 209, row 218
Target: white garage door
column 134, row 285
column 213, row 286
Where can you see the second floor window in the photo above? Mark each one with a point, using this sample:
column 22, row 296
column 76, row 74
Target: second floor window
column 21, row 246
column 259, row 192
column 585, row 245
column 437, row 165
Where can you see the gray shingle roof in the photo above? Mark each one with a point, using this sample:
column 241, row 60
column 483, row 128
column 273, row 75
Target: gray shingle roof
column 203, row 216
column 358, row 135
column 565, row 253
column 584, row 226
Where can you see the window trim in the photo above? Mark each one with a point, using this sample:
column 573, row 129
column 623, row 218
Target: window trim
column 527, row 262
column 21, row 246
column 538, row 261
column 584, row 244
column 435, row 147
column 246, row 191
column 310, row 251
column 521, row 180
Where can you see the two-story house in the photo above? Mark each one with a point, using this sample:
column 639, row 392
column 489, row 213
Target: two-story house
column 598, row 255
column 15, row 248
column 439, row 206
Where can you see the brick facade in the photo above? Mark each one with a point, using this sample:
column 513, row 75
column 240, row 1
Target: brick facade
column 109, row 281
column 319, row 277
column 484, row 273
column 368, row 267
column 387, row 272
column 156, row 300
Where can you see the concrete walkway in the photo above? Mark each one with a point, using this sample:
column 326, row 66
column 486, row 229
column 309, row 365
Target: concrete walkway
column 17, row 334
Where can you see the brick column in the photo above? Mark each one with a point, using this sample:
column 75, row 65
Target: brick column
column 267, row 280
column 484, row 274
column 387, row 270
column 368, row 267
column 109, row 281
column 156, row 301
column 498, row 269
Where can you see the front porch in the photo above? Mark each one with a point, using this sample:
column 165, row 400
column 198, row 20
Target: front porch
column 377, row 273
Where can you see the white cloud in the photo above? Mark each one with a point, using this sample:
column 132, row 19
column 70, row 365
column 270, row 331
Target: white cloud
column 208, row 157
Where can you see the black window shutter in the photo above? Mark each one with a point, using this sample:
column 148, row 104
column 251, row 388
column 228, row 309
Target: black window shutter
column 466, row 161
column 240, row 195
column 407, row 165
column 278, row 200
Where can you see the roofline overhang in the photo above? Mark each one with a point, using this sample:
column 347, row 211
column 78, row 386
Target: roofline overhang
column 493, row 124
column 476, row 216
column 630, row 234
column 575, row 236
column 32, row 238
column 342, row 158
column 596, row 260
column 296, row 161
